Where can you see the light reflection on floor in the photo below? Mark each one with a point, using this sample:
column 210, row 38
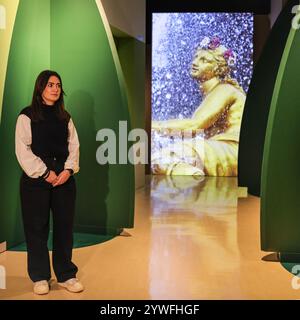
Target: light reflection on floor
column 194, row 194
column 193, row 227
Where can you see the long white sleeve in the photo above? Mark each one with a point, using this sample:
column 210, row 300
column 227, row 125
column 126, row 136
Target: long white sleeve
column 72, row 161
column 32, row 165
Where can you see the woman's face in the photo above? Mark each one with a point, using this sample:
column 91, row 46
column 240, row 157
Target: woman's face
column 203, row 65
column 52, row 90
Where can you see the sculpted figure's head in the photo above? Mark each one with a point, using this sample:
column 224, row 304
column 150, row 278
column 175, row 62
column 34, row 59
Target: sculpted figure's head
column 212, row 60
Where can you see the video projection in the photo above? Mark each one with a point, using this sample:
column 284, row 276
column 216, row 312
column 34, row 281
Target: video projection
column 201, row 70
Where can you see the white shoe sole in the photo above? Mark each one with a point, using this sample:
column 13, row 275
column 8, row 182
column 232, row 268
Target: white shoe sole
column 69, row 288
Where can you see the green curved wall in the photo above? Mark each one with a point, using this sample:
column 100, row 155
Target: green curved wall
column 73, row 38
column 280, row 200
column 259, row 96
column 8, row 9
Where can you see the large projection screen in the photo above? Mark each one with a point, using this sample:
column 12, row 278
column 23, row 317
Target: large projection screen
column 201, row 70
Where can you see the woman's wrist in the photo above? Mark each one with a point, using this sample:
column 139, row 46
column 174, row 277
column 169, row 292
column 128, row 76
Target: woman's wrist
column 46, row 174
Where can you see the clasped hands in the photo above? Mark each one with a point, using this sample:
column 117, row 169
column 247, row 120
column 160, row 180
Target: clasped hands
column 58, row 180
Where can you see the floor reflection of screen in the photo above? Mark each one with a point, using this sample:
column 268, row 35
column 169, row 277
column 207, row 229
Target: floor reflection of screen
column 201, row 70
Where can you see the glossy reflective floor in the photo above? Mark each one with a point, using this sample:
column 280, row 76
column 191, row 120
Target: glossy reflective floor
column 193, row 239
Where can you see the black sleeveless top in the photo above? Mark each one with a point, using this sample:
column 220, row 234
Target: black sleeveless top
column 49, row 137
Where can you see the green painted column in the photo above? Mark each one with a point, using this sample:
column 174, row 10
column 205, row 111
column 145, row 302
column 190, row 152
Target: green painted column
column 257, row 106
column 28, row 54
column 132, row 58
column 85, row 55
column 73, row 38
column 280, row 200
column 8, row 10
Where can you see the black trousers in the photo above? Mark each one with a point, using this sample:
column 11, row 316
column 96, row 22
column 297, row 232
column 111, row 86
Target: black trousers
column 38, row 197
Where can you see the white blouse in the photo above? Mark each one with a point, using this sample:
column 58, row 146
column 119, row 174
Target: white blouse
column 32, row 165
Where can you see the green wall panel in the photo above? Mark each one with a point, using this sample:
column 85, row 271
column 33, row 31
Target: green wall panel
column 8, row 10
column 256, row 112
column 132, row 58
column 280, row 201
column 28, row 55
column 82, row 53
column 73, row 38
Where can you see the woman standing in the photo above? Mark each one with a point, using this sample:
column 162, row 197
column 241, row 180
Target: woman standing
column 47, row 149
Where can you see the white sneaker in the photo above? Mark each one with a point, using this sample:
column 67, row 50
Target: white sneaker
column 72, row 285
column 41, row 287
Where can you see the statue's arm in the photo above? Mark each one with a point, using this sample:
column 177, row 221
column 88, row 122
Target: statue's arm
column 175, row 124
column 206, row 114
column 214, row 105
